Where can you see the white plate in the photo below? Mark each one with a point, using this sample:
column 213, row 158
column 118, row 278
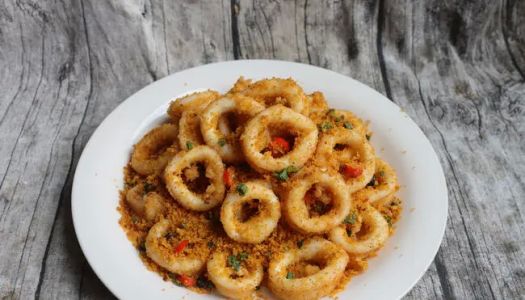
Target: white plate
column 98, row 179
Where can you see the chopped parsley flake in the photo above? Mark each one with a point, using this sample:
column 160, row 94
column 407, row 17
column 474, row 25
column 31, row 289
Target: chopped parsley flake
column 283, row 175
column 348, row 125
column 242, row 189
column 325, row 126
column 351, row 218
column 189, row 145
column 222, row 142
column 388, row 220
column 368, row 136
column 234, row 261
column 290, row 275
column 349, row 232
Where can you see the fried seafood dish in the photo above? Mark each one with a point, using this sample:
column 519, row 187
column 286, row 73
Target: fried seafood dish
column 264, row 185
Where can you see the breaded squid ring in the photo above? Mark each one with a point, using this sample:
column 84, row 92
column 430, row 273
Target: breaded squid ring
column 387, row 184
column 148, row 205
column 145, row 158
column 235, row 285
column 283, row 118
column 275, row 89
column 327, row 254
column 376, row 235
column 296, row 211
column 189, row 102
column 257, row 228
column 357, row 144
column 214, row 193
column 164, row 255
column 210, row 127
column 189, row 123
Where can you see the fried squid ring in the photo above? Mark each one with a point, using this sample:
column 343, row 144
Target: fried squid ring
column 228, row 148
column 173, row 175
column 153, row 151
column 257, row 227
column 189, row 102
column 384, row 184
column 234, row 284
column 148, row 205
column 355, row 149
column 376, row 232
column 330, row 259
column 162, row 253
column 284, row 119
column 279, row 91
column 189, row 123
column 296, row 211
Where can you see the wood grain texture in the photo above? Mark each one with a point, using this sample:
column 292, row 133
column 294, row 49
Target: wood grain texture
column 456, row 67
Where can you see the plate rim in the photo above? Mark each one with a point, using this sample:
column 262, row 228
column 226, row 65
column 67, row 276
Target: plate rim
column 126, row 102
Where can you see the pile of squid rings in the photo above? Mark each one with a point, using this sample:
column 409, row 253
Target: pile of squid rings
column 309, row 166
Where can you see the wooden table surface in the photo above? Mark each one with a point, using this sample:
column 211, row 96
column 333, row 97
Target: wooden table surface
column 456, row 67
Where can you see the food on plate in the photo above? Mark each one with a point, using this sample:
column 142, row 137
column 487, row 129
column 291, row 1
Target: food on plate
column 263, row 186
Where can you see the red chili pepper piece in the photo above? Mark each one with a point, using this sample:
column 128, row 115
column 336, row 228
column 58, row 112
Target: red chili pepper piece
column 279, row 145
column 181, row 246
column 352, row 172
column 227, row 177
column 186, row 280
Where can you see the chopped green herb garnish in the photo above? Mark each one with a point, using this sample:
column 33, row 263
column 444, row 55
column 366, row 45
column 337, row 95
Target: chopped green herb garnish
column 290, row 275
column 242, row 189
column 388, row 220
column 351, row 218
column 348, row 125
column 234, row 261
column 368, row 136
column 325, row 126
column 382, row 173
column 339, row 118
column 222, row 142
column 283, row 175
column 331, row 112
column 204, row 283
column 189, row 145
column 300, row 244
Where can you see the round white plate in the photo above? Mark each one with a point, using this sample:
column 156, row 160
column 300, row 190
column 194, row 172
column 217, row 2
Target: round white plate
column 98, row 179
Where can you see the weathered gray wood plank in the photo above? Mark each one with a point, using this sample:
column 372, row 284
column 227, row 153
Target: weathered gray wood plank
column 456, row 68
